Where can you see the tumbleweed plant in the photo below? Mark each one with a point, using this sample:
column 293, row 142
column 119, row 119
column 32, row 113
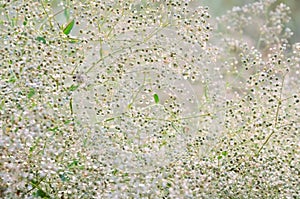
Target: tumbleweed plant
column 148, row 99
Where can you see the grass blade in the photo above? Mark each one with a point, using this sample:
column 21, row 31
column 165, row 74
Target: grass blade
column 156, row 98
column 41, row 39
column 69, row 27
column 31, row 93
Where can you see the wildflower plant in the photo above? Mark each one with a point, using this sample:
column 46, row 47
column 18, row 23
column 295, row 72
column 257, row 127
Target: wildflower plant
column 148, row 99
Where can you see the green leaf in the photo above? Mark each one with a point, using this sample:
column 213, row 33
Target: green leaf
column 2, row 104
column 53, row 129
column 25, row 22
column 64, row 178
column 19, row 106
column 67, row 121
column 69, row 27
column 41, row 39
column 156, row 98
column 34, row 183
column 31, row 149
column 73, row 87
column 73, row 40
column 40, row 193
column 220, row 157
column 12, row 79
column 115, row 171
column 164, row 142
column 73, row 164
column 71, row 105
column 31, row 93
column 224, row 153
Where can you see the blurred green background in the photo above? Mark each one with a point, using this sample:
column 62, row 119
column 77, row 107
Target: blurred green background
column 220, row 7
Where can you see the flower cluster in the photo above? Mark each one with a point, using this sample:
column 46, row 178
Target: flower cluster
column 147, row 99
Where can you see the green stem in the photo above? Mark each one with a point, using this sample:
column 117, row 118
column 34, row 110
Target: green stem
column 276, row 118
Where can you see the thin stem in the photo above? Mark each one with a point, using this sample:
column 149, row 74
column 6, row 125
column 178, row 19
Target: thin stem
column 276, row 118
